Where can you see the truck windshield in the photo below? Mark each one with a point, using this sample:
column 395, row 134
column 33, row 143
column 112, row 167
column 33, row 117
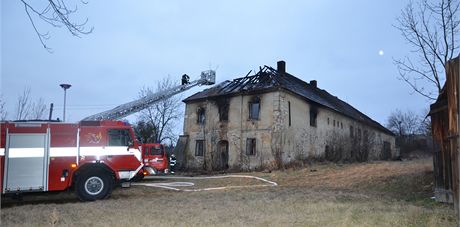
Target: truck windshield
column 120, row 137
column 156, row 151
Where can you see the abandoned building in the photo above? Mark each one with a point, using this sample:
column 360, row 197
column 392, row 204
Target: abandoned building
column 273, row 118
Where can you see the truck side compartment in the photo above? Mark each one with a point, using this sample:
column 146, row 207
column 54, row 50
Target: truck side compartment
column 46, row 156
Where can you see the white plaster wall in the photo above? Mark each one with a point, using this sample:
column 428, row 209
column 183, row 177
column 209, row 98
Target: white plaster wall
column 302, row 141
column 236, row 130
column 272, row 131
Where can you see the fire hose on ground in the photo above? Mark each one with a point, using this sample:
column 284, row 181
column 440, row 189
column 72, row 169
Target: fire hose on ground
column 174, row 185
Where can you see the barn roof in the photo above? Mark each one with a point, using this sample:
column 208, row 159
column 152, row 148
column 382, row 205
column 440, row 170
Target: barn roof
column 268, row 79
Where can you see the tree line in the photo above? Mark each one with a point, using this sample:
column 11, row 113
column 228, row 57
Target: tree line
column 412, row 130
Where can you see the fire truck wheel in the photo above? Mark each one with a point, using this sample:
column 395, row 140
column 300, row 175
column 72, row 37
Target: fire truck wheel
column 95, row 185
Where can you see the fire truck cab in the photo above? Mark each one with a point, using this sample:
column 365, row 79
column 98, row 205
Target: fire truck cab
column 155, row 159
column 91, row 157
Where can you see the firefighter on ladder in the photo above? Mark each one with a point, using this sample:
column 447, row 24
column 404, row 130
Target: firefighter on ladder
column 185, row 79
column 172, row 163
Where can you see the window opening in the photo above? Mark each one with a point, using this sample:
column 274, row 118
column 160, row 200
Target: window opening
column 251, row 146
column 199, row 148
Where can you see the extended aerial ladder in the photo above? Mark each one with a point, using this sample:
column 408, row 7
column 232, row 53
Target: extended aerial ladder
column 207, row 78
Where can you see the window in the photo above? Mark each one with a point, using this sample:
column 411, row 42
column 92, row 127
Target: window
column 359, row 134
column 120, row 137
column 223, row 106
column 254, row 109
column 327, row 121
column 156, row 150
column 333, row 123
column 313, row 115
column 199, row 148
column 251, row 146
column 341, row 125
column 201, row 116
column 289, row 110
column 352, row 134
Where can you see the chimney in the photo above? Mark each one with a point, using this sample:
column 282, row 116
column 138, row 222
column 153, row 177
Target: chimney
column 281, row 67
column 314, row 83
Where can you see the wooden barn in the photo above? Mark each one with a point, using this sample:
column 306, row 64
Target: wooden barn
column 444, row 120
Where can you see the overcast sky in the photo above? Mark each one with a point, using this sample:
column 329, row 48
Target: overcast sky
column 347, row 46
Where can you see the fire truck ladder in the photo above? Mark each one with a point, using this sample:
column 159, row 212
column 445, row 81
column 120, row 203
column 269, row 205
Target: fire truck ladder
column 207, row 78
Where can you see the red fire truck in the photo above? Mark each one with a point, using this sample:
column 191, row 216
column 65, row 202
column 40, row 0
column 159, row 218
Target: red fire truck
column 91, row 157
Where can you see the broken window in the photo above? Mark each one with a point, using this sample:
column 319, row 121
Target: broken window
column 341, row 125
column 313, row 115
column 199, row 148
column 254, row 109
column 223, row 107
column 250, row 146
column 201, row 116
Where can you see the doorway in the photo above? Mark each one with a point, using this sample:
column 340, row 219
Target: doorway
column 223, row 154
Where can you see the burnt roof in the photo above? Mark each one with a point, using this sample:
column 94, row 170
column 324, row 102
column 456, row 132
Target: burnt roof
column 269, row 79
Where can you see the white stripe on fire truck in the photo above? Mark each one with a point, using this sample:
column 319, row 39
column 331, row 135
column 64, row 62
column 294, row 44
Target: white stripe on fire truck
column 26, row 152
column 63, row 151
column 67, row 151
column 106, row 151
column 88, row 151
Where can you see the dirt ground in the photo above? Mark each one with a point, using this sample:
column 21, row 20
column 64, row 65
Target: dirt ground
column 361, row 194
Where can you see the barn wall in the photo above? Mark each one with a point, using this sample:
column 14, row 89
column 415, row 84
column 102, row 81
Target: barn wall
column 444, row 120
column 452, row 107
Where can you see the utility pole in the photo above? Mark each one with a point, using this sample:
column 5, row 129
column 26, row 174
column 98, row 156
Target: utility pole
column 65, row 87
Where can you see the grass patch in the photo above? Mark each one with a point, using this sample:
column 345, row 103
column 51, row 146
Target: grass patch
column 359, row 194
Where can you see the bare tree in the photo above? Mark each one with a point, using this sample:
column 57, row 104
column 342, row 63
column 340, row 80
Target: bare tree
column 23, row 106
column 432, row 29
column 3, row 111
column 145, row 132
column 425, row 123
column 38, row 109
column 56, row 13
column 162, row 116
column 404, row 123
column 412, row 131
column 27, row 109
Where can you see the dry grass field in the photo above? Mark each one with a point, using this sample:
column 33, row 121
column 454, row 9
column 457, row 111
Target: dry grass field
column 361, row 194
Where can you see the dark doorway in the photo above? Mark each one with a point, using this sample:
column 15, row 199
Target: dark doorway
column 386, row 152
column 223, row 154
